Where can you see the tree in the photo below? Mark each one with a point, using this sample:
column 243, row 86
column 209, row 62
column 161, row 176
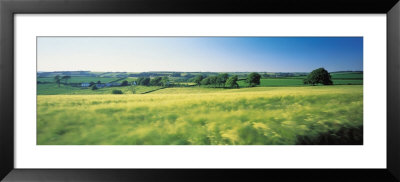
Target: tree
column 124, row 83
column 57, row 79
column 211, row 80
column 145, row 81
column 99, row 82
column 176, row 74
column 205, row 81
column 319, row 75
column 139, row 80
column 232, row 82
column 198, row 79
column 156, row 81
column 91, row 84
column 66, row 78
column 253, row 79
column 165, row 81
column 221, row 79
column 94, row 87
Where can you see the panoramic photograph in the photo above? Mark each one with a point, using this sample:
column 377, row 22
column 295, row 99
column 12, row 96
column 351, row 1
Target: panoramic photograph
column 199, row 91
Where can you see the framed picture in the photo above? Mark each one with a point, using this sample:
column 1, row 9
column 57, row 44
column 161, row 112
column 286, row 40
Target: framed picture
column 202, row 90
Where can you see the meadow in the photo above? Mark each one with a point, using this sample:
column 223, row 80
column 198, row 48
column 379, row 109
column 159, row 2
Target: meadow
column 298, row 82
column 203, row 116
column 79, row 79
column 54, row 89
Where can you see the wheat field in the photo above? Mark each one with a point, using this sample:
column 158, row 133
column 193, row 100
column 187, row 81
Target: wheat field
column 205, row 116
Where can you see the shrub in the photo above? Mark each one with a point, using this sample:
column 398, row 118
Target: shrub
column 124, row 83
column 116, row 92
column 94, row 87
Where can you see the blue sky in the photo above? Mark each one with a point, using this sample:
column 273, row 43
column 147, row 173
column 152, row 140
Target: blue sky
column 216, row 54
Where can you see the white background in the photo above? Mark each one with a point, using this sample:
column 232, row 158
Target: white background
column 370, row 155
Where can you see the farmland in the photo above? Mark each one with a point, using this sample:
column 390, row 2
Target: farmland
column 205, row 116
column 80, row 79
column 298, row 82
column 199, row 90
column 281, row 110
column 53, row 89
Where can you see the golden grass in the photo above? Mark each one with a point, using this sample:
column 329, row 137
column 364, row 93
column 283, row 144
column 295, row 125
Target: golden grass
column 199, row 116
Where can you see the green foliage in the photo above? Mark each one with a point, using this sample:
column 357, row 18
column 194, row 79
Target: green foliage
column 94, row 87
column 232, row 82
column 221, row 79
column 156, row 81
column 66, row 78
column 165, row 81
column 317, row 76
column 57, row 79
column 124, row 83
column 145, row 81
column 253, row 79
column 176, row 74
column 198, row 79
column 214, row 81
column 206, row 81
column 117, row 92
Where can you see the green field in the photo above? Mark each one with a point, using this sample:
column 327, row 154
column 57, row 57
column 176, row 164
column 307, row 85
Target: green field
column 203, row 116
column 347, row 75
column 53, row 89
column 297, row 82
column 338, row 75
column 78, row 79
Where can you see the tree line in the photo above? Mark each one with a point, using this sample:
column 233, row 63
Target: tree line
column 222, row 80
column 226, row 81
column 156, row 81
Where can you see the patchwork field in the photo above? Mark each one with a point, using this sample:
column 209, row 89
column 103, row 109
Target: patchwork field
column 203, row 116
column 53, row 89
column 78, row 79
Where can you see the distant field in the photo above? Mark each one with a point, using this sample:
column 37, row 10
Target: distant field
column 53, row 89
column 205, row 116
column 347, row 75
column 295, row 82
column 340, row 75
column 129, row 79
column 347, row 82
column 275, row 82
column 76, row 79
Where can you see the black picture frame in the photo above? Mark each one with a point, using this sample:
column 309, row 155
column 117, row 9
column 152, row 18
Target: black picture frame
column 10, row 7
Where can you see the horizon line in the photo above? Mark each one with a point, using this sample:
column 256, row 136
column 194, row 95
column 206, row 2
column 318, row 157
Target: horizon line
column 202, row 71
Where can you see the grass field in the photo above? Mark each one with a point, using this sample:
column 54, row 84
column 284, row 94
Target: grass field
column 77, row 79
column 205, row 116
column 347, row 75
column 297, row 82
column 53, row 89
